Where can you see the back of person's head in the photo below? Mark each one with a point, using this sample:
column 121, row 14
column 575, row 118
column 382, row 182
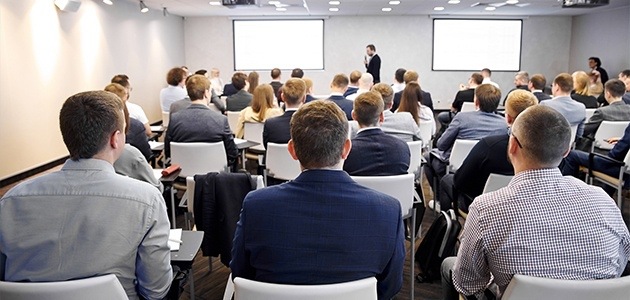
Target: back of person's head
column 615, row 87
column 410, row 100
column 293, row 91
column 239, row 80
column 387, row 93
column 355, row 76
column 309, row 84
column 488, row 97
column 410, row 75
column 175, row 76
column 252, row 78
column 564, row 81
column 368, row 108
column 366, row 81
column 87, row 120
column 625, row 73
column 297, row 73
column 262, row 99
column 275, row 73
column 121, row 79
column 538, row 81
column 517, row 101
column 522, row 77
column 319, row 130
column 214, row 72
column 372, row 47
column 197, row 86
column 399, row 75
column 476, row 78
column 118, row 90
column 486, row 71
column 544, row 135
column 580, row 82
column 598, row 62
column 340, row 80
column 202, row 72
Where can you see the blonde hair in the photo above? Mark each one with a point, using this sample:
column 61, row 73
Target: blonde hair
column 517, row 101
column 580, row 82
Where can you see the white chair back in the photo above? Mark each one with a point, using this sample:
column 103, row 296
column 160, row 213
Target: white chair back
column 589, row 113
column 253, row 132
column 215, row 108
column 165, row 118
column 460, row 150
column 363, row 289
column 609, row 129
column 415, row 148
column 425, row 133
column 280, row 164
column 573, row 134
column 496, row 181
column 468, row 106
column 353, row 127
column 106, row 287
column 232, row 117
column 524, row 287
column 199, row 158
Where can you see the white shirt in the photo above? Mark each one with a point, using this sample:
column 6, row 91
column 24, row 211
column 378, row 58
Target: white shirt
column 136, row 112
column 217, row 85
column 397, row 87
column 170, row 94
column 489, row 80
column 355, row 95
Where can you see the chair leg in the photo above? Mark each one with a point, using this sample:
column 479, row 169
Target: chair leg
column 173, row 221
column 411, row 252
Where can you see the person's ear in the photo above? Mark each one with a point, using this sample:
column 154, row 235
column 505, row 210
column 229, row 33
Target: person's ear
column 381, row 118
column 347, row 146
column 115, row 142
column 354, row 115
column 291, row 148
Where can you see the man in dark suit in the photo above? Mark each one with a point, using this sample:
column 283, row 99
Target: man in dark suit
column 278, row 129
column 521, row 82
column 305, row 231
column 373, row 63
column 617, row 110
column 275, row 83
column 374, row 153
column 229, row 90
column 411, row 75
column 197, row 123
column 465, row 94
column 536, row 85
column 337, row 87
column 353, row 87
column 596, row 65
column 242, row 98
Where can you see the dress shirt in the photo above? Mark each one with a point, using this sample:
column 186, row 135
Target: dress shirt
column 353, row 96
column 86, row 221
column 398, row 86
column 488, row 80
column 136, row 112
column 401, row 125
column 132, row 163
column 544, row 225
column 170, row 94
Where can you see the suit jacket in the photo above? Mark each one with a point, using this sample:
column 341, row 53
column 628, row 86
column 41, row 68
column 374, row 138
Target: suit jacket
column 603, row 75
column 374, row 67
column 229, row 90
column 518, row 87
column 588, row 101
column 541, row 96
column 470, row 125
column 351, row 90
column 426, row 100
column 573, row 111
column 276, row 85
column 305, row 232
column 278, row 129
column 375, row 153
column 239, row 101
column 617, row 111
column 467, row 95
column 345, row 105
column 401, row 125
column 198, row 123
column 137, row 137
column 309, row 98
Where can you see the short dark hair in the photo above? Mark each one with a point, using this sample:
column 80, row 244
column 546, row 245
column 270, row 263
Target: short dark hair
column 121, row 79
column 371, row 47
column 175, row 76
column 201, row 72
column 564, row 81
column 538, row 81
column 386, row 91
column 400, row 73
column 488, row 97
column 88, row 119
column 477, row 78
column 340, row 80
column 544, row 134
column 297, row 73
column 319, row 130
column 275, row 73
column 487, row 70
column 238, row 80
column 355, row 76
column 598, row 62
column 367, row 108
column 196, row 86
column 625, row 72
column 615, row 87
column 293, row 91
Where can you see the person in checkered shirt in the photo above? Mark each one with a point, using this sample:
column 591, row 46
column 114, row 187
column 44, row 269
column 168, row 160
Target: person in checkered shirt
column 542, row 224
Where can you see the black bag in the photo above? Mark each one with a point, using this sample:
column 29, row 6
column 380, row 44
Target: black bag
column 438, row 244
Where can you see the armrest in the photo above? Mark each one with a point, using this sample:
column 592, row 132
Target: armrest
column 591, row 161
column 438, row 156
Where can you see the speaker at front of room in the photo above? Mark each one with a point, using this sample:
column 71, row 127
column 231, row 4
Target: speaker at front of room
column 68, row 5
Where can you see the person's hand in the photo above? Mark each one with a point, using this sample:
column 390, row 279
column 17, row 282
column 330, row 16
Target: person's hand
column 612, row 140
column 462, row 87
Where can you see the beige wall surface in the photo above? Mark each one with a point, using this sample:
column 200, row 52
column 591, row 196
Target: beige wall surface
column 47, row 55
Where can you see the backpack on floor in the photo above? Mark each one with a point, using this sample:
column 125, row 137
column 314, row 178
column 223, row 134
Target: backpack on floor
column 438, row 244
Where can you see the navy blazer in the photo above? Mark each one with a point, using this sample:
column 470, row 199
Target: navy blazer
column 351, row 90
column 278, row 129
column 320, row 228
column 375, row 153
column 345, row 104
column 374, row 68
column 426, row 100
column 137, row 137
column 542, row 96
column 229, row 89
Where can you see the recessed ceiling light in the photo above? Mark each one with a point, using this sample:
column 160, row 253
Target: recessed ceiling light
column 386, row 9
column 490, row 8
column 334, row 2
column 394, row 2
column 453, row 2
column 215, row 3
column 333, row 9
column 274, row 2
column 511, row 1
column 438, row 8
column 281, row 9
column 108, row 2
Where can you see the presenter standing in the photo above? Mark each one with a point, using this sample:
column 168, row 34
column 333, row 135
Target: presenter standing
column 373, row 63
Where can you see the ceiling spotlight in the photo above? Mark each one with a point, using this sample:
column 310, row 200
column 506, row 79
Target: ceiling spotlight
column 108, row 2
column 386, row 9
column 273, row 2
column 281, row 9
column 165, row 12
column 394, row 2
column 334, row 2
column 490, row 8
column 511, row 1
column 333, row 9
column 143, row 7
column 438, row 8
column 215, row 3
column 453, row 1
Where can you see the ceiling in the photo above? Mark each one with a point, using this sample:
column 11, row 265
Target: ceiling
column 301, row 8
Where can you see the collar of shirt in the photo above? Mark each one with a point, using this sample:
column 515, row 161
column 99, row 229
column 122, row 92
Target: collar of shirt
column 88, row 164
column 336, row 94
column 291, row 109
column 367, row 128
column 547, row 174
column 537, row 91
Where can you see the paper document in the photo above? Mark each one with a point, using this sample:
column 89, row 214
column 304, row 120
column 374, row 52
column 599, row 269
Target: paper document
column 175, row 239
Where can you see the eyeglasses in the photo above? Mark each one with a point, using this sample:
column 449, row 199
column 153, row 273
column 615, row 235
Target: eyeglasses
column 516, row 139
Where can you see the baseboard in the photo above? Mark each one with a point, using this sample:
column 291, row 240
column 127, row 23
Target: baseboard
column 28, row 173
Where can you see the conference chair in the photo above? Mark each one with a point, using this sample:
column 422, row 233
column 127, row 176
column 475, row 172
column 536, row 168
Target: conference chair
column 280, row 164
column 253, row 132
column 573, row 134
column 460, row 151
column 523, row 287
column 425, row 134
column 606, row 130
column 232, row 117
column 468, row 106
column 165, row 119
column 400, row 187
column 494, row 182
column 616, row 182
column 106, row 287
column 589, row 113
column 363, row 289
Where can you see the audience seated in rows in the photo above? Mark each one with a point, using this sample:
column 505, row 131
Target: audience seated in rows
column 537, row 85
column 466, row 93
column 262, row 108
column 541, row 224
column 176, row 79
column 617, row 110
column 305, row 231
column 365, row 84
column 242, row 98
column 374, row 153
column 521, row 82
column 135, row 110
column 309, row 90
column 338, row 86
column 411, row 75
column 580, row 91
column 353, row 86
column 573, row 111
column 278, row 130
column 399, row 124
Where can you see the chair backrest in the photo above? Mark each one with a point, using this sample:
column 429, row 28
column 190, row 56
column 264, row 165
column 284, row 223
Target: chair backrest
column 609, row 129
column 165, row 118
column 425, row 133
column 106, row 287
column 215, row 108
column 400, row 187
column 528, row 287
column 415, row 148
column 460, row 150
column 280, row 164
column 232, row 117
column 496, row 181
column 253, row 131
column 199, row 158
column 363, row 289
column 352, row 126
column 468, row 106
column 589, row 113
column 573, row 134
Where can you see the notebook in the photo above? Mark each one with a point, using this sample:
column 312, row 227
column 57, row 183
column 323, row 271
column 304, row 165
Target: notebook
column 175, row 239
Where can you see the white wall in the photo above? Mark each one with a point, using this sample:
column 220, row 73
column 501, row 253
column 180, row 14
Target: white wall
column 605, row 35
column 401, row 41
column 48, row 55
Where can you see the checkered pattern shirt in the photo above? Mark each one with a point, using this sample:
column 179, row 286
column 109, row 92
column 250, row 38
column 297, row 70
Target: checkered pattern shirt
column 545, row 225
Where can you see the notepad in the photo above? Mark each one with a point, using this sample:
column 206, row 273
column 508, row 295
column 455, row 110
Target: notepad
column 175, row 239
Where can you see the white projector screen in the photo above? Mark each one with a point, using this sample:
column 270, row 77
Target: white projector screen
column 283, row 44
column 471, row 45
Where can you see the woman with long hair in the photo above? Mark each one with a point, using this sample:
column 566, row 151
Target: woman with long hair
column 580, row 92
column 411, row 102
column 252, row 78
column 261, row 108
